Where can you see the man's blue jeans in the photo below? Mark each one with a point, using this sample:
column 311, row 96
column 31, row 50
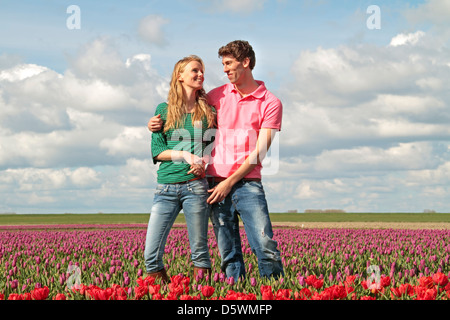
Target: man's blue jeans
column 168, row 201
column 246, row 199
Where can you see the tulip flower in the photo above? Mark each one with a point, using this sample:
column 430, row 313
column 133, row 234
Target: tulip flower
column 207, row 291
column 414, row 264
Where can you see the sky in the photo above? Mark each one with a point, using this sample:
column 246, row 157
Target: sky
column 364, row 87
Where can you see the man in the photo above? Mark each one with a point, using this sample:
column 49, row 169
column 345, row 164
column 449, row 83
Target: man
column 248, row 117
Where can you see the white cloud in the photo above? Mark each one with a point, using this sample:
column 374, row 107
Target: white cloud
column 370, row 160
column 21, row 72
column 434, row 11
column 347, row 95
column 234, row 6
column 428, row 177
column 94, row 94
column 79, row 139
column 138, row 173
column 98, row 59
column 82, row 189
column 151, row 29
column 404, row 39
column 84, row 177
column 391, row 105
column 343, row 75
column 131, row 141
column 35, row 199
column 35, row 179
column 87, row 116
column 430, row 83
column 305, row 191
column 364, row 127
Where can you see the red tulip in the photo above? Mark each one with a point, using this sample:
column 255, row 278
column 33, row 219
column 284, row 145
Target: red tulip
column 303, row 294
column 207, row 291
column 40, row 293
column 367, row 298
column 176, row 289
column 26, row 296
column 266, row 292
column 426, row 282
column 318, row 284
column 140, row 291
column 440, row 279
column 283, row 294
column 154, row 289
column 14, row 296
column 395, row 293
column 424, row 293
column 60, row 296
column 385, row 281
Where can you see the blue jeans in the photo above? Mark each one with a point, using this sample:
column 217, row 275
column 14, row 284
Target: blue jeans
column 246, row 199
column 168, row 201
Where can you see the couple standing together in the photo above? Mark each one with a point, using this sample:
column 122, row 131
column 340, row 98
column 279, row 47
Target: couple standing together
column 245, row 117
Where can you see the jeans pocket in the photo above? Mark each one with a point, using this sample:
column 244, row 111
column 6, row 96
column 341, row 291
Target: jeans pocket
column 198, row 187
column 255, row 186
column 161, row 188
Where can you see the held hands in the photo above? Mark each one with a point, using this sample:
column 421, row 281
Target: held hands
column 219, row 192
column 197, row 169
column 196, row 162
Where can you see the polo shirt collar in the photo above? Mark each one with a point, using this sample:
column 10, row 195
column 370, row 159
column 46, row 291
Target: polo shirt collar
column 258, row 93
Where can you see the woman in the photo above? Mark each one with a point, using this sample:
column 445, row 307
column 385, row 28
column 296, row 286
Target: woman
column 181, row 174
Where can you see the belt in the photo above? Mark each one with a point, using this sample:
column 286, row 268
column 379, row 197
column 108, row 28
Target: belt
column 182, row 182
column 220, row 179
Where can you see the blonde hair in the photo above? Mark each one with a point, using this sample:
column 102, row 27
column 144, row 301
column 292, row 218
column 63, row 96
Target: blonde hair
column 176, row 99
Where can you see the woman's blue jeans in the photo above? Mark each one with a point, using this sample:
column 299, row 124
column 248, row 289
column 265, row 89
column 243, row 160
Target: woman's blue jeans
column 168, row 201
column 246, row 199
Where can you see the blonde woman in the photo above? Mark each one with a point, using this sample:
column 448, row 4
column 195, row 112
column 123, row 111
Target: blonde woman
column 179, row 147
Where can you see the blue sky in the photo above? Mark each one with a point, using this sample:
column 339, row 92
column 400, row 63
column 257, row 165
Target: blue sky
column 365, row 122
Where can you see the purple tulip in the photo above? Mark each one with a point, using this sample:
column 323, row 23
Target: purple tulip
column 301, row 281
column 14, row 284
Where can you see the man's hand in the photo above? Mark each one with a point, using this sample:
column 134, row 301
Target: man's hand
column 155, row 123
column 219, row 192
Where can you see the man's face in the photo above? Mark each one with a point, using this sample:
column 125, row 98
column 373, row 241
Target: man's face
column 233, row 68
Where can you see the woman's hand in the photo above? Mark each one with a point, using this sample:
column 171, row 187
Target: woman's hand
column 197, row 169
column 196, row 162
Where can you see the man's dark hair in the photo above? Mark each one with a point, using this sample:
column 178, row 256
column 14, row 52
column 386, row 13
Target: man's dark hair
column 240, row 50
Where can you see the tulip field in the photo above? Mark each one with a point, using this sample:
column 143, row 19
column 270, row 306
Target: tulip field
column 105, row 262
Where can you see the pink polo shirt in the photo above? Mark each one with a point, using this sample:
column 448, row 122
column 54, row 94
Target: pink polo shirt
column 239, row 121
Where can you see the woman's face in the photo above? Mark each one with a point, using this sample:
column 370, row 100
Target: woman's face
column 192, row 77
